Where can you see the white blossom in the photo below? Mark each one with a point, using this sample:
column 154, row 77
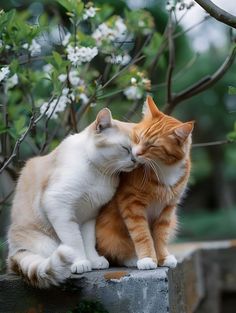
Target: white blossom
column 74, row 78
column 93, row 104
column 133, row 93
column 84, row 98
column 47, row 68
column 34, row 48
column 57, row 105
column 62, row 77
column 118, row 32
column 133, row 80
column 12, row 81
column 66, row 39
column 170, row 5
column 118, row 59
column 91, row 12
column 79, row 55
column 4, row 72
column 25, row 46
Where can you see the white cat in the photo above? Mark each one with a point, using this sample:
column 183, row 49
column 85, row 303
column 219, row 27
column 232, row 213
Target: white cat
column 57, row 199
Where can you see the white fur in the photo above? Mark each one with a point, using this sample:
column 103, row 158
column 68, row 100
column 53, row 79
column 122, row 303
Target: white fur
column 79, row 188
column 146, row 264
column 170, row 174
column 170, row 261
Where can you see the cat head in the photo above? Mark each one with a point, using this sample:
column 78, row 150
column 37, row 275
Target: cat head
column 109, row 144
column 160, row 137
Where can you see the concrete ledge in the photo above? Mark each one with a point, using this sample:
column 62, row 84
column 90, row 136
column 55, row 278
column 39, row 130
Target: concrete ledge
column 203, row 272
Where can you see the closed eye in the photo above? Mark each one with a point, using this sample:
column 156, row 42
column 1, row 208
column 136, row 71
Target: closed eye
column 127, row 149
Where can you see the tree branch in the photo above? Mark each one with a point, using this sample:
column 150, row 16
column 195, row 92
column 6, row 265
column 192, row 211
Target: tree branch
column 203, row 84
column 218, row 13
column 212, row 143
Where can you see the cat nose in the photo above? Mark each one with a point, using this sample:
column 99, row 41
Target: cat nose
column 137, row 151
column 133, row 158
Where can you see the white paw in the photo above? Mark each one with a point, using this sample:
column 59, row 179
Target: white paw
column 81, row 266
column 131, row 262
column 99, row 263
column 170, row 261
column 146, row 264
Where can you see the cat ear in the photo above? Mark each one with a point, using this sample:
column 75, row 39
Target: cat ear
column 150, row 109
column 183, row 131
column 103, row 120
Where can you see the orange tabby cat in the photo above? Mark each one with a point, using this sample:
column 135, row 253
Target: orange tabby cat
column 135, row 226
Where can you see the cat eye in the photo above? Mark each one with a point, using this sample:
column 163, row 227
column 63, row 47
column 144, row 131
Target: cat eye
column 127, row 149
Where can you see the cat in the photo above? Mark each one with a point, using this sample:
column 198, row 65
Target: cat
column 52, row 231
column 133, row 229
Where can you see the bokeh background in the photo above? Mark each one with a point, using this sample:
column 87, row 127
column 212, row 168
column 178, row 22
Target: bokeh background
column 208, row 211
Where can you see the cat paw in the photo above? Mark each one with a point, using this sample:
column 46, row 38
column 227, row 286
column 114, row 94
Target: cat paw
column 81, row 266
column 170, row 261
column 146, row 264
column 99, row 263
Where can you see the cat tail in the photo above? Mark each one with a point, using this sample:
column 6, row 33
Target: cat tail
column 40, row 271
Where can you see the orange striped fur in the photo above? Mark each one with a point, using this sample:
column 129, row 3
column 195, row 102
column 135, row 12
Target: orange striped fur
column 141, row 217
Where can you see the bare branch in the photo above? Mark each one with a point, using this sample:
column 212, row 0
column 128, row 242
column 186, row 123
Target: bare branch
column 212, row 143
column 203, row 84
column 16, row 148
column 218, row 13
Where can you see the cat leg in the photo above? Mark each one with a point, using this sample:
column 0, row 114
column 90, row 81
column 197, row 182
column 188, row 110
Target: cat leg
column 162, row 229
column 68, row 231
column 89, row 238
column 137, row 225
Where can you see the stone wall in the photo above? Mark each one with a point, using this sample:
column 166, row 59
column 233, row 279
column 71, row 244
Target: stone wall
column 204, row 273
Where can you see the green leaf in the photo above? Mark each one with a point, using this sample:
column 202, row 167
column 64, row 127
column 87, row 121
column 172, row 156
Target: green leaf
column 20, row 123
column 57, row 58
column 232, row 136
column 232, row 90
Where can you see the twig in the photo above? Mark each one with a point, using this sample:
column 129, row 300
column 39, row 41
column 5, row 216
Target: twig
column 218, row 13
column 213, row 143
column 203, row 84
column 32, row 124
column 2, row 201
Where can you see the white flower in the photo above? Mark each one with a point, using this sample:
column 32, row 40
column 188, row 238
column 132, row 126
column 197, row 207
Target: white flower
column 4, row 72
column 1, row 43
column 91, row 12
column 62, row 78
column 119, row 32
column 93, row 104
column 170, row 5
column 12, row 81
column 25, row 46
column 74, row 78
column 133, row 80
column 79, row 55
column 47, row 68
column 66, row 39
column 118, row 59
column 34, row 48
column 8, row 47
column 84, row 98
column 133, row 93
column 57, row 105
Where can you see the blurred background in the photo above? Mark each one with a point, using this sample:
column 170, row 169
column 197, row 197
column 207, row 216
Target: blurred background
column 201, row 46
